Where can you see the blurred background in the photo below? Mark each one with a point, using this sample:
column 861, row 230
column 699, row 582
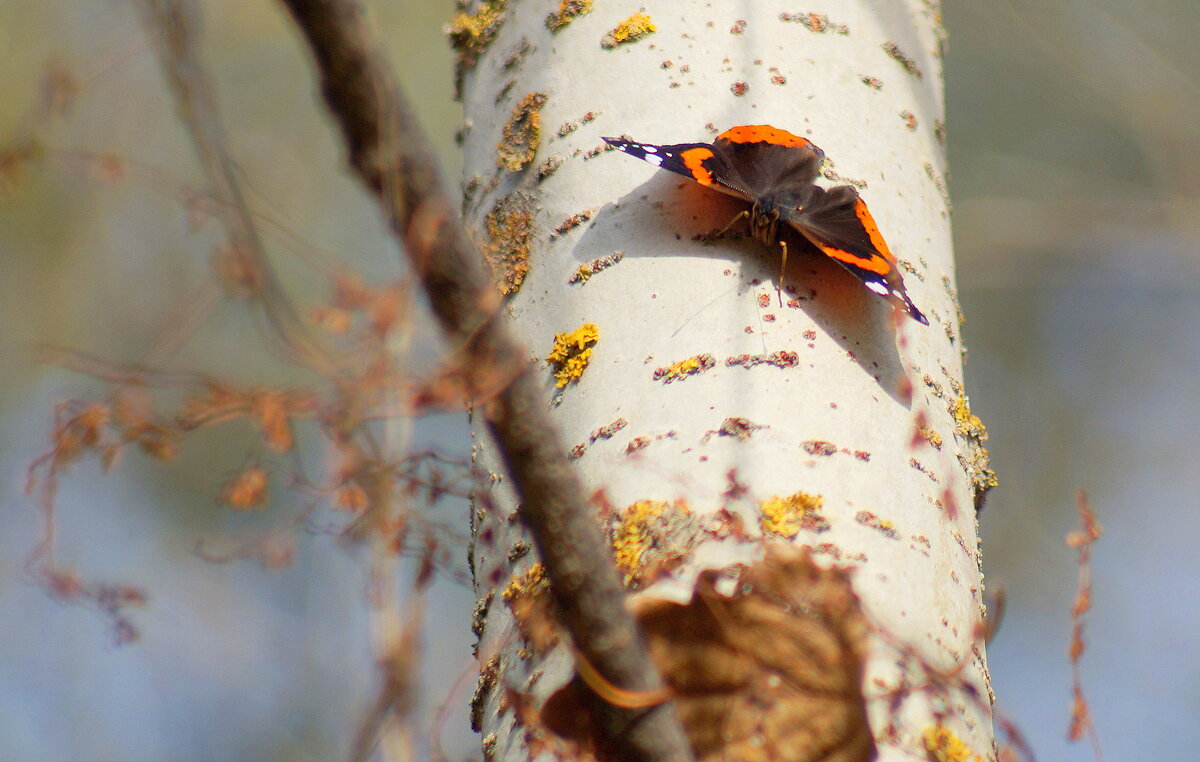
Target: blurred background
column 1073, row 145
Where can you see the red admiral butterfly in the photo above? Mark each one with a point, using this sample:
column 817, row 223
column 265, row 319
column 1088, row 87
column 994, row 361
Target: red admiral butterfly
column 774, row 170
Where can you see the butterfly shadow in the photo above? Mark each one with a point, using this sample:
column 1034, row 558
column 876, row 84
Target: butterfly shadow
column 666, row 217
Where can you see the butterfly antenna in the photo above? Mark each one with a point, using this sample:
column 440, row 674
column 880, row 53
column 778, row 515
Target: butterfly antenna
column 782, row 268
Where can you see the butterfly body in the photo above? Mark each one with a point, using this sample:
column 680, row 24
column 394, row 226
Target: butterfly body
column 775, row 171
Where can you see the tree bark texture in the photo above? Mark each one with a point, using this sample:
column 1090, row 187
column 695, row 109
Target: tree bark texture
column 701, row 389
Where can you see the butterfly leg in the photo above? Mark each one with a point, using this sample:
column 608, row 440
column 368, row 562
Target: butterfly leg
column 724, row 230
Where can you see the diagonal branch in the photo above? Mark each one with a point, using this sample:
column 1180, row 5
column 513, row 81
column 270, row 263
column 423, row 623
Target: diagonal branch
column 390, row 155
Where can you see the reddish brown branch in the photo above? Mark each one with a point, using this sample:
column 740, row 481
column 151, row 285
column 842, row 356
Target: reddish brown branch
column 390, row 155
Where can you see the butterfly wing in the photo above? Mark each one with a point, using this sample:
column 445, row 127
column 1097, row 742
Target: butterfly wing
column 838, row 222
column 695, row 161
column 772, row 166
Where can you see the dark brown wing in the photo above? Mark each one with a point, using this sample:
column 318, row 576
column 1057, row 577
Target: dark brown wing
column 838, row 222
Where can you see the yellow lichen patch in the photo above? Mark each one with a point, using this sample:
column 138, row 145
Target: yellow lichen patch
column 471, row 33
column 509, row 229
column 528, row 597
column 566, row 13
column 786, row 516
column 976, row 461
column 522, row 134
column 966, row 423
column 572, row 352
column 931, row 436
column 649, row 537
column 684, row 368
column 633, row 28
column 942, row 745
column 533, row 582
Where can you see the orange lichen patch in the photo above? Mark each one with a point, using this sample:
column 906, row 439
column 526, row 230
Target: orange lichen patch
column 572, row 222
column 833, row 176
column 528, row 596
column 883, row 526
column 566, row 128
column 952, row 292
column 872, row 82
column 246, row 490
column 608, row 430
column 522, row 134
column 737, row 427
column 816, row 22
column 975, row 460
column 631, row 29
column 638, row 443
column 781, row 359
column 684, row 368
column 509, row 231
column 489, row 676
column 966, row 423
column 549, row 167
column 939, row 182
column 910, row 119
column 772, row 671
column 572, row 352
column 786, row 516
column 920, row 467
column 567, row 11
column 819, row 448
column 532, row 582
column 471, row 34
column 650, row 537
column 588, row 269
column 930, row 435
column 909, row 64
column 942, row 745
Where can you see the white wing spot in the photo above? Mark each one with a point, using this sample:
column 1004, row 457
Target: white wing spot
column 877, row 287
column 655, row 160
column 650, row 149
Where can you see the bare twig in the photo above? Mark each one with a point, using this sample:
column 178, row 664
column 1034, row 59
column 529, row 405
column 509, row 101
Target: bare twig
column 1082, row 540
column 389, row 153
column 174, row 24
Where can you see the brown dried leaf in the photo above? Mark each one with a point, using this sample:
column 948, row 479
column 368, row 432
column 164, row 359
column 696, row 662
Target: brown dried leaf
column 771, row 672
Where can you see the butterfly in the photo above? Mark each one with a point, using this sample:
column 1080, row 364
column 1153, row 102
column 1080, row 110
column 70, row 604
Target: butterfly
column 775, row 171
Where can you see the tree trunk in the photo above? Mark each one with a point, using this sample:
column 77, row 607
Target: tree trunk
column 733, row 419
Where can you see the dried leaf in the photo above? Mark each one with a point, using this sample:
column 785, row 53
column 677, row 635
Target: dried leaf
column 771, row 672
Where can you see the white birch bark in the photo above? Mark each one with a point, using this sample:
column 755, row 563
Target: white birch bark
column 899, row 513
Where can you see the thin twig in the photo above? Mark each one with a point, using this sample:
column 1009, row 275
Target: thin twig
column 1082, row 540
column 391, row 156
column 174, row 24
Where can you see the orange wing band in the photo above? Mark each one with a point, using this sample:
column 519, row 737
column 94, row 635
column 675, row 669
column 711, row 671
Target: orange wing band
column 693, row 159
column 763, row 133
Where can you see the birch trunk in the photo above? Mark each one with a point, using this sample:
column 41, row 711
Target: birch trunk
column 824, row 395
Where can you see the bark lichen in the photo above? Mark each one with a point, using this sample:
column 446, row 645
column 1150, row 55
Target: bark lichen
column 786, row 516
column 572, row 352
